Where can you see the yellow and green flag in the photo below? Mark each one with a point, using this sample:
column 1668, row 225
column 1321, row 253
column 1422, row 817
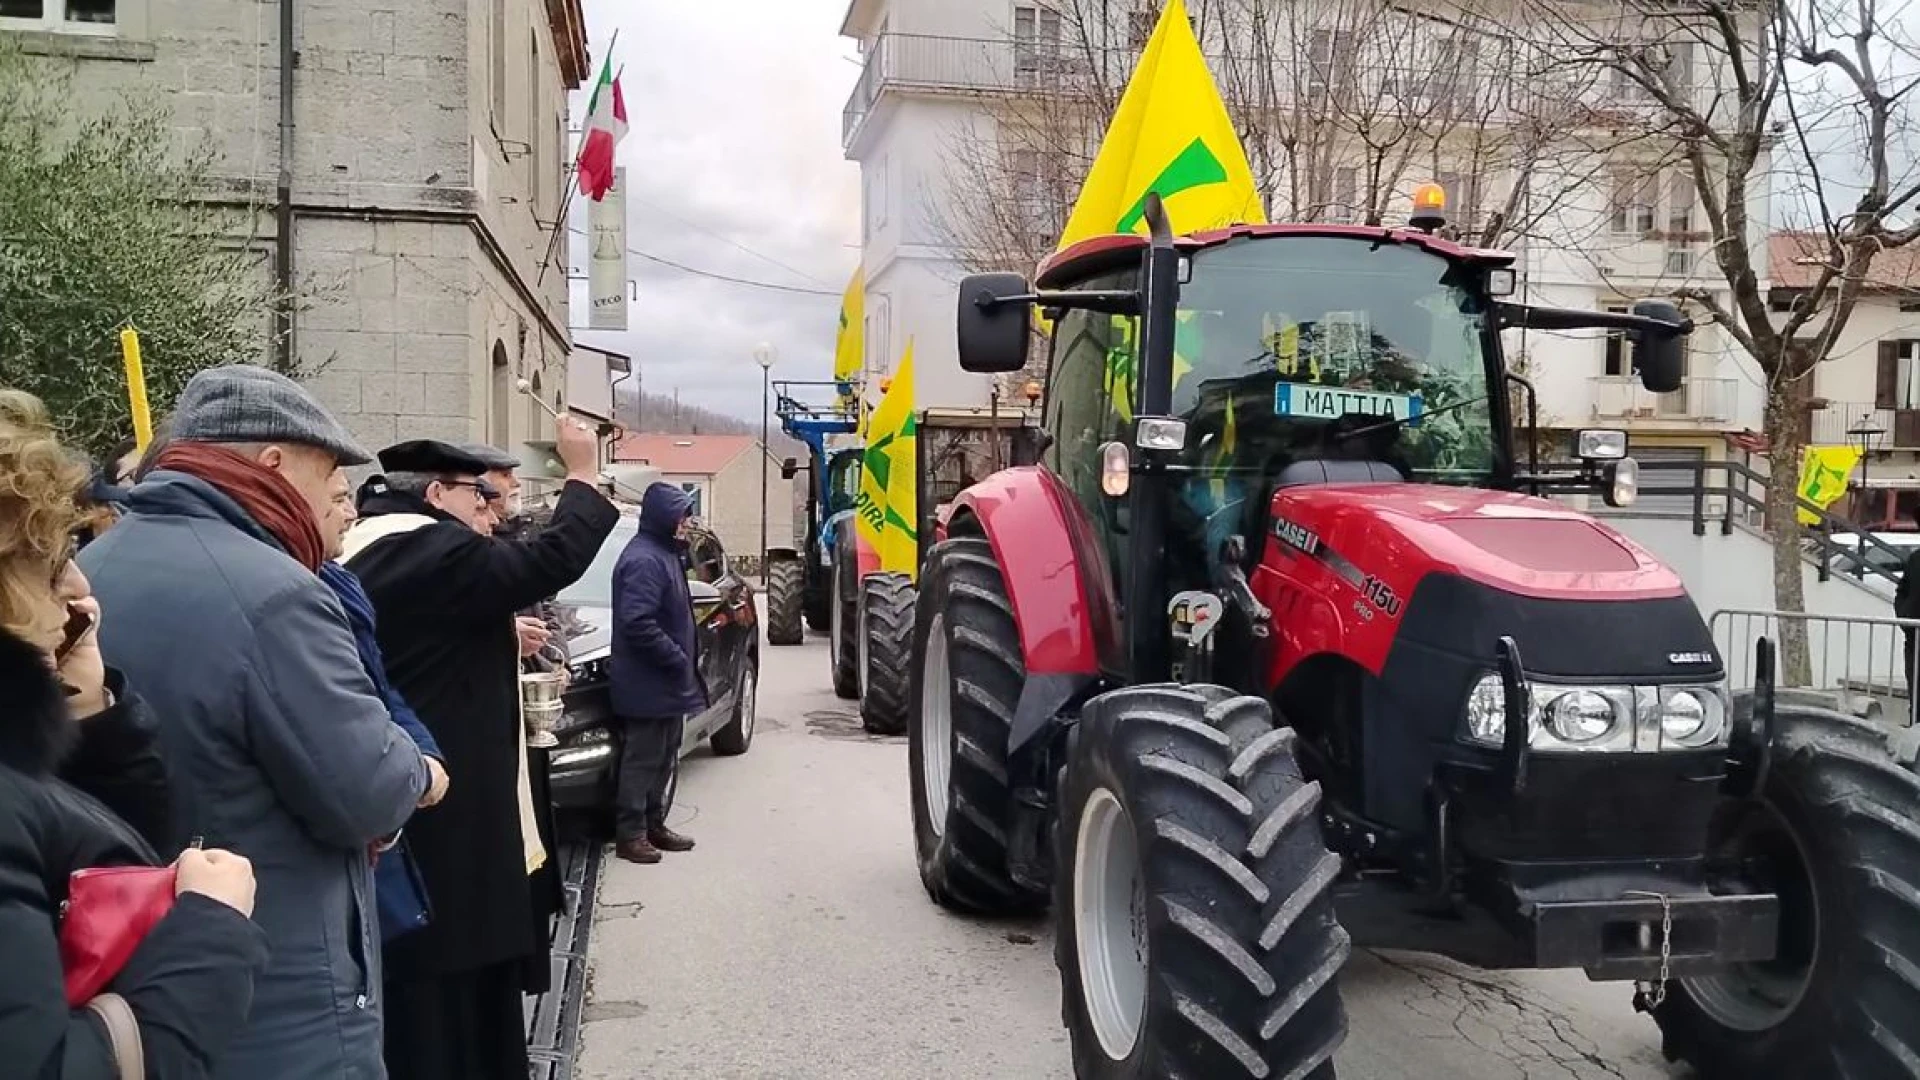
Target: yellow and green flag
column 886, row 512
column 849, row 342
column 1170, row 134
column 1823, row 476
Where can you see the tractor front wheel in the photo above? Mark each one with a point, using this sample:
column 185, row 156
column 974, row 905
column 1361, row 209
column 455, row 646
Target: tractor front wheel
column 1835, row 837
column 786, row 595
column 1196, row 934
column 843, row 648
column 966, row 681
column 886, row 652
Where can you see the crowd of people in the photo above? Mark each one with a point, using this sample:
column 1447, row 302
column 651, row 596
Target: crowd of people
column 218, row 656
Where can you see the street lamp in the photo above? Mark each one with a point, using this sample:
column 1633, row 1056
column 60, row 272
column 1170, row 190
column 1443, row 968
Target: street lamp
column 1866, row 432
column 763, row 354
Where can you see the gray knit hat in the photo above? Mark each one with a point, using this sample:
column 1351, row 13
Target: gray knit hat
column 243, row 403
column 495, row 457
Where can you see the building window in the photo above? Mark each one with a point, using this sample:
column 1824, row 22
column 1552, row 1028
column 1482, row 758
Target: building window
column 1036, row 41
column 697, row 491
column 1330, row 61
column 1345, row 207
column 497, row 40
column 536, row 137
column 70, row 16
column 1634, row 195
column 1895, row 385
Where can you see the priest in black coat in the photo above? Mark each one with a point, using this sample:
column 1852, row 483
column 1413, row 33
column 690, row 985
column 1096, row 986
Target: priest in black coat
column 446, row 595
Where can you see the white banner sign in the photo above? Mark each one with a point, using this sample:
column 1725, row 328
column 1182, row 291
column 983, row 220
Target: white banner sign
column 607, row 262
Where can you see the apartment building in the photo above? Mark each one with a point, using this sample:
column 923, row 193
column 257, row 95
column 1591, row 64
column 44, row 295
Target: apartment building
column 1346, row 107
column 404, row 164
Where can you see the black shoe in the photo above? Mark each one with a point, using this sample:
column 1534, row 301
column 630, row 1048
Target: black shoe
column 666, row 839
column 638, row 850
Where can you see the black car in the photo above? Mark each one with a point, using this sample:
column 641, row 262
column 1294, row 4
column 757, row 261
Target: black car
column 583, row 767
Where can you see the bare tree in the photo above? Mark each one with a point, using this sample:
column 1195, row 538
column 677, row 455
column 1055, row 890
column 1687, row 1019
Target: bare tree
column 1803, row 104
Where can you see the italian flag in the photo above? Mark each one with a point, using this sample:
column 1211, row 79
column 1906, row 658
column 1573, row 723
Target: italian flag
column 606, row 126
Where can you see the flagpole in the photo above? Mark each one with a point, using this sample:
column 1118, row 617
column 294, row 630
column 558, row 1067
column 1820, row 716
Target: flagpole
column 571, row 183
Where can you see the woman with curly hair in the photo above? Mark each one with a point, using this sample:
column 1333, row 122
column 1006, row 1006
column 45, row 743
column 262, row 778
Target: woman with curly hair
column 80, row 787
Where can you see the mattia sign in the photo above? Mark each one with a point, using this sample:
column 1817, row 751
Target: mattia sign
column 607, row 258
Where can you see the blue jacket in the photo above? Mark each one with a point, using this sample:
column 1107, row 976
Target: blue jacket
column 398, row 891
column 280, row 749
column 655, row 669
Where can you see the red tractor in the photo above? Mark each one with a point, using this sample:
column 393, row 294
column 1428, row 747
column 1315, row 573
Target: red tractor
column 1277, row 649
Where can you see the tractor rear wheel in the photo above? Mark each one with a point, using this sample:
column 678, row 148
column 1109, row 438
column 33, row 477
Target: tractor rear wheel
column 886, row 652
column 786, row 594
column 1195, row 927
column 1835, row 836
column 966, row 680
column 843, row 649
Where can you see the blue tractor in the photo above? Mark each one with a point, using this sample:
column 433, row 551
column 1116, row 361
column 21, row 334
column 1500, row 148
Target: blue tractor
column 824, row 416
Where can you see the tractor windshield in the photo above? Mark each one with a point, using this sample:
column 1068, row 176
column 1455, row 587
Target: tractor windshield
column 1285, row 344
column 843, row 481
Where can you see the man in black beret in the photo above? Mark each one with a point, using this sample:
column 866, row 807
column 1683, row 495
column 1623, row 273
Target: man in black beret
column 445, row 592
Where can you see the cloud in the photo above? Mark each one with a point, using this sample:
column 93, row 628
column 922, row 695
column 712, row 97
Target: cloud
column 733, row 149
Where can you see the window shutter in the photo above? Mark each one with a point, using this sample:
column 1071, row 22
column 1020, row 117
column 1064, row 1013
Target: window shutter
column 1886, row 376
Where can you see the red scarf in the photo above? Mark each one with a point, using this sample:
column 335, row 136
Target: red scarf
column 267, row 497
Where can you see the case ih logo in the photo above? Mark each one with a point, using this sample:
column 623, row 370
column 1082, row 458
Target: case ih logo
column 1298, row 535
column 1689, row 658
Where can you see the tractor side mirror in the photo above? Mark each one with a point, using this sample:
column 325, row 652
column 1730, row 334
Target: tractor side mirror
column 788, row 468
column 1660, row 356
column 993, row 332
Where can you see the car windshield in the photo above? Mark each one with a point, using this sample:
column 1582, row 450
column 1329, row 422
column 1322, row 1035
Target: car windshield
column 595, row 587
column 1283, row 343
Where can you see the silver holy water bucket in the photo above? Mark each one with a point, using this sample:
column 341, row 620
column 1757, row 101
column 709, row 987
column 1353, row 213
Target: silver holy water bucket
column 541, row 706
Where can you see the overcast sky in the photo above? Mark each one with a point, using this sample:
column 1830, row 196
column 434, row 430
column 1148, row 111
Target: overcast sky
column 734, row 168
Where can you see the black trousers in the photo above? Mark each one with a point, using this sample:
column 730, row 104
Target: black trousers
column 649, row 755
column 462, row 1026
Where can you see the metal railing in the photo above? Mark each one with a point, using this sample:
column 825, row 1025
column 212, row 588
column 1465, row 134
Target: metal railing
column 1622, row 397
column 1858, row 662
column 1831, row 543
column 1833, row 426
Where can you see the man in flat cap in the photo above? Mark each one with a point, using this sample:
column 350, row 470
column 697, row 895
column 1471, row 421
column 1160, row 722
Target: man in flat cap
column 445, row 594
column 280, row 746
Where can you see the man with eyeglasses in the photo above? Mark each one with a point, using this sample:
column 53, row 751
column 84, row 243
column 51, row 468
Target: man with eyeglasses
column 446, row 592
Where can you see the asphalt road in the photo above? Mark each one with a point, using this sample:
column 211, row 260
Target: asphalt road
column 795, row 943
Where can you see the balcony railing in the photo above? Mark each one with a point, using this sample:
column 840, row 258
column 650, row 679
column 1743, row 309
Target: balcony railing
column 1699, row 400
column 1352, row 87
column 1899, row 429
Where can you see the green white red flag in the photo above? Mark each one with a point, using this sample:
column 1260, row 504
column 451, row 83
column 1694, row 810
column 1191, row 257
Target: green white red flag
column 606, row 126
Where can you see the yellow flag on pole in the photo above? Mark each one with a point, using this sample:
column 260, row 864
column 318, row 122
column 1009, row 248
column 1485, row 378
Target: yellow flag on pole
column 1823, row 477
column 1170, row 134
column 849, row 351
column 886, row 512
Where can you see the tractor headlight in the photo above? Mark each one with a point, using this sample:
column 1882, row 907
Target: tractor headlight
column 1602, row 719
column 1582, row 716
column 1692, row 717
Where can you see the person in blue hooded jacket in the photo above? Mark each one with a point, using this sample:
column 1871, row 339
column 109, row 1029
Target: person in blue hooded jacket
column 656, row 680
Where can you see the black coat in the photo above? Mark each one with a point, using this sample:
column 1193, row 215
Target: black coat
column 446, row 597
column 190, row 983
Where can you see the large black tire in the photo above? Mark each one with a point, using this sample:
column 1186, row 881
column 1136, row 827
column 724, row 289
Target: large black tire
column 1195, row 930
column 819, row 603
column 886, row 652
column 737, row 736
column 1836, row 825
column 786, row 595
column 966, row 679
column 843, row 645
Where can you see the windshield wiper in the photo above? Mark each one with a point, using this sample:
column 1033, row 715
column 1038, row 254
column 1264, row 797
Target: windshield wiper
column 1388, row 425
